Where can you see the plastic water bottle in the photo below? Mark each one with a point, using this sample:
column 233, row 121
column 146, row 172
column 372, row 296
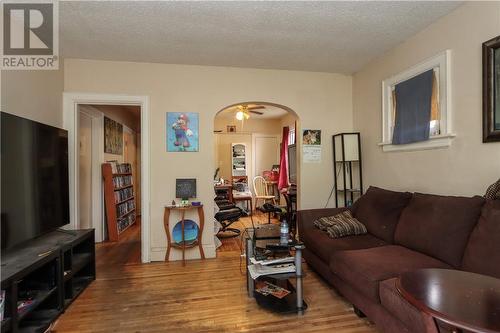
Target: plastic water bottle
column 284, row 233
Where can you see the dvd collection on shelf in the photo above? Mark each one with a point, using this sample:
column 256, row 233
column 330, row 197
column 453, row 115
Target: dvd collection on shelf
column 122, row 181
column 125, row 208
column 124, row 194
column 119, row 197
column 125, row 222
column 120, row 167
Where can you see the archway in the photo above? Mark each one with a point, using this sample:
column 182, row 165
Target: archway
column 248, row 146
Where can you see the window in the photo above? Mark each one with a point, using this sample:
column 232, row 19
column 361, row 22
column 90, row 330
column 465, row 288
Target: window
column 440, row 134
column 291, row 135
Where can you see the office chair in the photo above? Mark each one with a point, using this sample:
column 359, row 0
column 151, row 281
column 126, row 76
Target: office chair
column 228, row 214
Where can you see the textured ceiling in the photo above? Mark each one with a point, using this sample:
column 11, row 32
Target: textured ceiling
column 314, row 36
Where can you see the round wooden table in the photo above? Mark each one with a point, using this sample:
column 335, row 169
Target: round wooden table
column 457, row 300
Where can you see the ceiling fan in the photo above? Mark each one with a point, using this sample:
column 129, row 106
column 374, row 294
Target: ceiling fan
column 244, row 110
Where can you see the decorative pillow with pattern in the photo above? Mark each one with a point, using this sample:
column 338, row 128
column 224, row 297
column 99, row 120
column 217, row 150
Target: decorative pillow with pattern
column 341, row 225
column 493, row 191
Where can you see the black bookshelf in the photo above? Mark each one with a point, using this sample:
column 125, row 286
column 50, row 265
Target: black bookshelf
column 45, row 275
column 347, row 168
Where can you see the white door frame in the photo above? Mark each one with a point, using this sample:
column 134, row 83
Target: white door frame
column 71, row 100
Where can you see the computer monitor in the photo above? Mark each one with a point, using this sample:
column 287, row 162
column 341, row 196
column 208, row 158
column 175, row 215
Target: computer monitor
column 185, row 188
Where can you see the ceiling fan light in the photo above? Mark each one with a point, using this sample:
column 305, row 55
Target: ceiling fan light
column 240, row 115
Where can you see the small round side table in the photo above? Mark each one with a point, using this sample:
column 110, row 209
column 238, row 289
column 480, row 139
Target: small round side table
column 457, row 300
column 182, row 245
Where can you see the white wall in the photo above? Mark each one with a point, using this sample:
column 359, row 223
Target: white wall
column 321, row 100
column 468, row 166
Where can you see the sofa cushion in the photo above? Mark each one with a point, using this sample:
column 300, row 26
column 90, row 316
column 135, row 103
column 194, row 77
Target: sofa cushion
column 394, row 303
column 365, row 268
column 379, row 211
column 320, row 244
column 482, row 254
column 439, row 225
column 340, row 225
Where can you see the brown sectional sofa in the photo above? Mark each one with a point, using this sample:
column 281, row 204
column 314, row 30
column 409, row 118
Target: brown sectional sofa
column 405, row 232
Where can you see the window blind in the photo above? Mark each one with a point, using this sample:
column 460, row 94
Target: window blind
column 413, row 109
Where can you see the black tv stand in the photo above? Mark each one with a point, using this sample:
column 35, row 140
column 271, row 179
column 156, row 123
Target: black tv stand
column 69, row 232
column 43, row 276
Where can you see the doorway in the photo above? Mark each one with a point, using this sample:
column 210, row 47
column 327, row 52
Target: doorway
column 248, row 149
column 120, row 203
column 84, row 117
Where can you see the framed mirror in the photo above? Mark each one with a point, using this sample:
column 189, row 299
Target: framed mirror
column 491, row 90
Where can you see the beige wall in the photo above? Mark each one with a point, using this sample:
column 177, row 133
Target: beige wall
column 123, row 115
column 288, row 120
column 36, row 95
column 251, row 125
column 321, row 101
column 468, row 166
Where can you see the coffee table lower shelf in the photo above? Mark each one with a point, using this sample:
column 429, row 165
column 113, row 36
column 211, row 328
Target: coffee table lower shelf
column 285, row 305
column 291, row 303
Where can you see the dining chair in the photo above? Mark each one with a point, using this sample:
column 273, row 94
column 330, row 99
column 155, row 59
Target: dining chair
column 261, row 192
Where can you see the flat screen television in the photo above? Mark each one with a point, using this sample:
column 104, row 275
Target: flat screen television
column 34, row 179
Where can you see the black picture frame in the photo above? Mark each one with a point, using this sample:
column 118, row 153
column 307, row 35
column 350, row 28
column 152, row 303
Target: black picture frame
column 491, row 90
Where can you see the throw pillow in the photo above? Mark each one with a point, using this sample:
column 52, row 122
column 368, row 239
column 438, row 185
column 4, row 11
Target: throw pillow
column 341, row 225
column 493, row 191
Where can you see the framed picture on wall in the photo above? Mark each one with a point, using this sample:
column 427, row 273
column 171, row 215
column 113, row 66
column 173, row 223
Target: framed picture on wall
column 182, row 131
column 113, row 137
column 311, row 137
column 491, row 90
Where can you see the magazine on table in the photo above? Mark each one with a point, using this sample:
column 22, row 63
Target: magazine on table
column 257, row 270
column 272, row 261
column 267, row 288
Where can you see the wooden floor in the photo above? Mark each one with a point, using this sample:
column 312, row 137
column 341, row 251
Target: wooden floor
column 203, row 296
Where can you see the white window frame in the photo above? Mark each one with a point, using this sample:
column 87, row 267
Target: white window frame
column 441, row 62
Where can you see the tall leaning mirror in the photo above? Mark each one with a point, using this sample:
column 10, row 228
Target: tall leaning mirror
column 491, row 90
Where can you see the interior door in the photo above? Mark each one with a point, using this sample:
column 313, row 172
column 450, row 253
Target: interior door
column 265, row 152
column 130, row 156
column 85, row 170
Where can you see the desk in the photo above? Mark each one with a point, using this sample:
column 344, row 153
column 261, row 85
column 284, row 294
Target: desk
column 182, row 245
column 456, row 300
column 244, row 196
column 272, row 189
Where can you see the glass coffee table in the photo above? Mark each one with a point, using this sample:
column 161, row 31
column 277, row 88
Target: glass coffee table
column 274, row 291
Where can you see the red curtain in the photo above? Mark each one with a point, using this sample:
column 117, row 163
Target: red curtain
column 283, row 180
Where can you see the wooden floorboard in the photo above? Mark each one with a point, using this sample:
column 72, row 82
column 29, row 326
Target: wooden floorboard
column 203, row 296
